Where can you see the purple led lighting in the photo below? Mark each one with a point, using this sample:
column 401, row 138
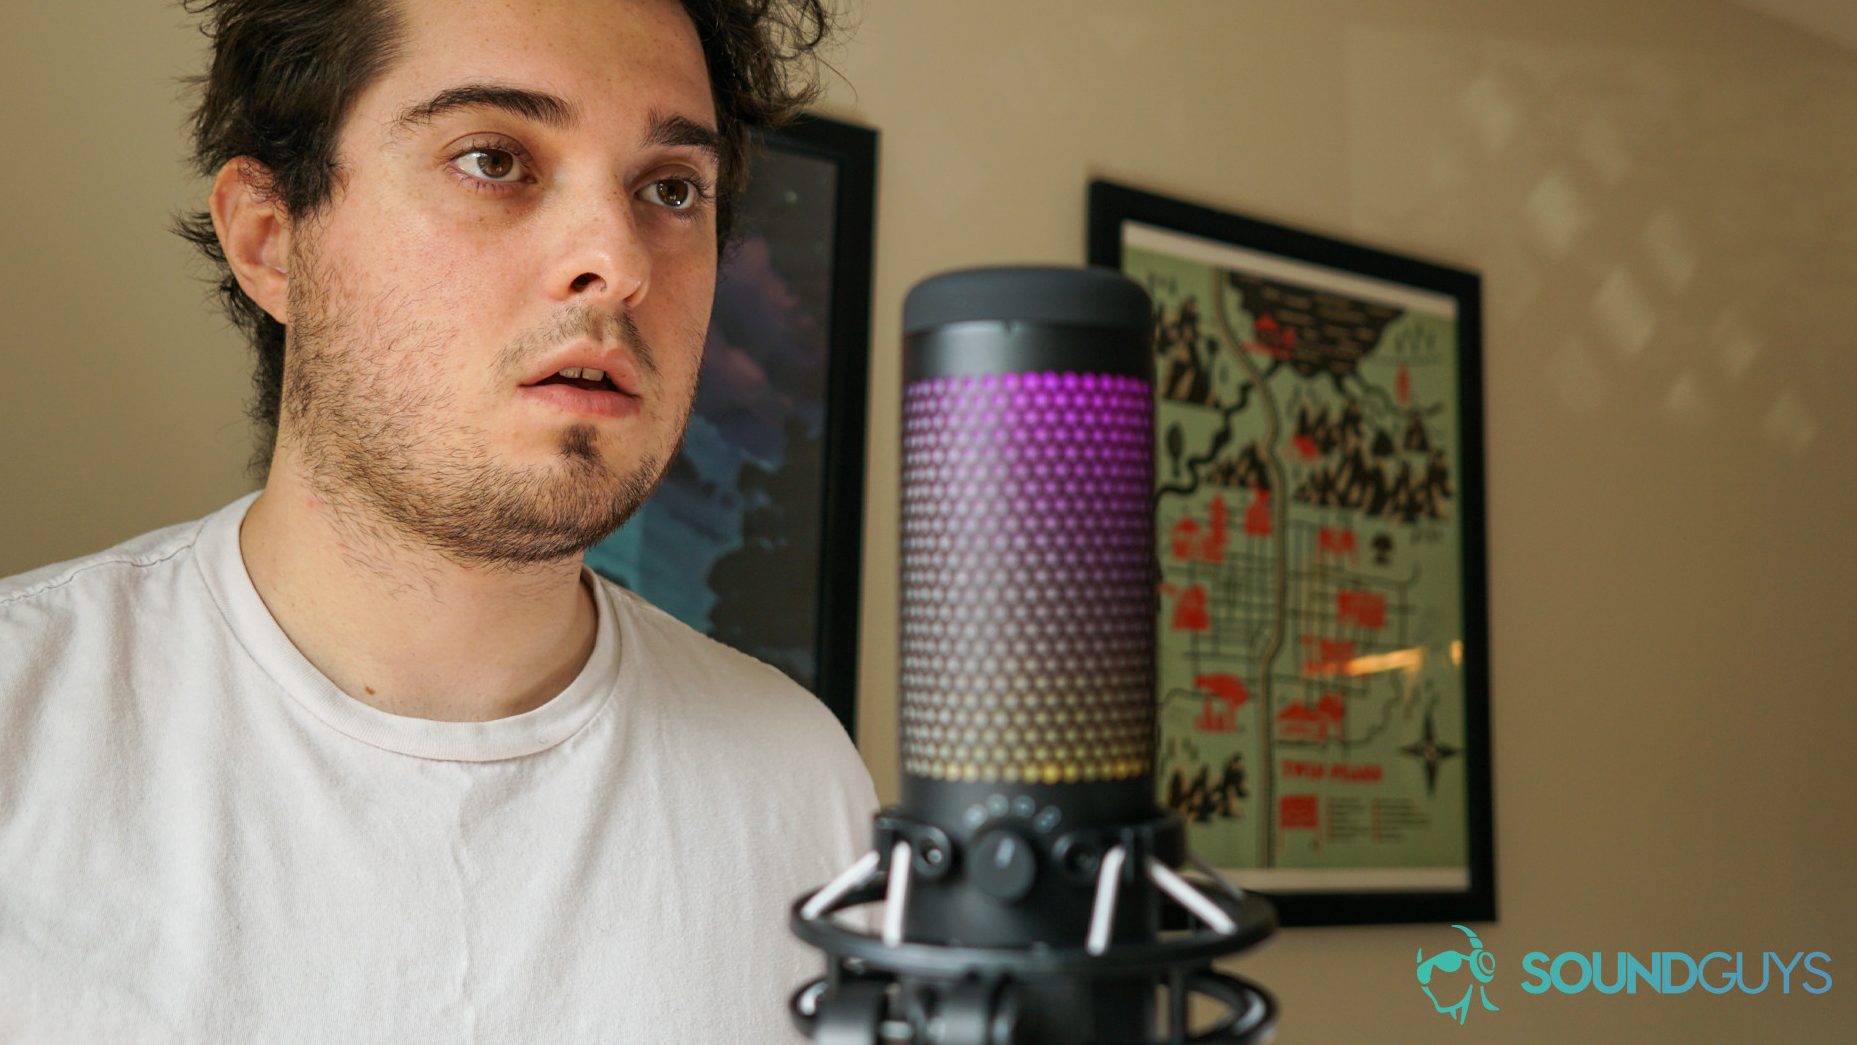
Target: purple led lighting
column 1027, row 577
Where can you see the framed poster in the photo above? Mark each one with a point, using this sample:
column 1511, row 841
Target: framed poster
column 755, row 535
column 1323, row 669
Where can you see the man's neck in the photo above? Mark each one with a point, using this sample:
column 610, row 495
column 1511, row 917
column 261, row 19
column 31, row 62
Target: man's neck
column 405, row 629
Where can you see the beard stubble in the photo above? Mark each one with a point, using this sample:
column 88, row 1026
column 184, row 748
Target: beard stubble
column 374, row 438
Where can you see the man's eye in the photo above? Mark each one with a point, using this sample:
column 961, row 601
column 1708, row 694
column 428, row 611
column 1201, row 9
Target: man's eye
column 491, row 164
column 672, row 193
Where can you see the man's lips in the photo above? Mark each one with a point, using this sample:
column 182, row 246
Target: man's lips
column 614, row 363
column 594, row 402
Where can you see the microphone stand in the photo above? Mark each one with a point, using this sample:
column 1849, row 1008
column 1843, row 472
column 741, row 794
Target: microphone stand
column 879, row 988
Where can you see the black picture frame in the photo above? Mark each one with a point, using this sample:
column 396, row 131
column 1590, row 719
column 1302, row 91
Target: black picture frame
column 756, row 535
column 1280, row 270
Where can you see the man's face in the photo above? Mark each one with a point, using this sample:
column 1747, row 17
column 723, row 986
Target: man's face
column 525, row 188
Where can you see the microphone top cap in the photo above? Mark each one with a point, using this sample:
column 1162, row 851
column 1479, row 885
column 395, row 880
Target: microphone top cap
column 1096, row 297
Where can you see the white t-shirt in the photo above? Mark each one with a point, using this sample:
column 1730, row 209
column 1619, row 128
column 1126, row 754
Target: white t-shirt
column 203, row 839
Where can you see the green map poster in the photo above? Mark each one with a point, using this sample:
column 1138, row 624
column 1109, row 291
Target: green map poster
column 1311, row 684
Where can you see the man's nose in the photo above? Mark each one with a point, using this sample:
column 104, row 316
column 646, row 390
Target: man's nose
column 604, row 260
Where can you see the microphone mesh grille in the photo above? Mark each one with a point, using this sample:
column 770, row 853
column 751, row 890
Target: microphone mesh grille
column 1027, row 578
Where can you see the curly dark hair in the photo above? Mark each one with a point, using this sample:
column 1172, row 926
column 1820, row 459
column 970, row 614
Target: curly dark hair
column 286, row 72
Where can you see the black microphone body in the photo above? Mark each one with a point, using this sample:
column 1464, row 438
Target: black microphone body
column 1028, row 867
column 1028, row 611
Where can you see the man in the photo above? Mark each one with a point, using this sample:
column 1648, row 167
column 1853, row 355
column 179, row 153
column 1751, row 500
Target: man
column 370, row 756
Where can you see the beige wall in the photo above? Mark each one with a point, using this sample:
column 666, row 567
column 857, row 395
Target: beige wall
column 121, row 408
column 1662, row 196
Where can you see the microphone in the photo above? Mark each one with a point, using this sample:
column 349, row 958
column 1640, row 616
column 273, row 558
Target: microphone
column 1030, row 880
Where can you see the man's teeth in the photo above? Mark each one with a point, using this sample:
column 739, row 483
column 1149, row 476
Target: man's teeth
column 585, row 373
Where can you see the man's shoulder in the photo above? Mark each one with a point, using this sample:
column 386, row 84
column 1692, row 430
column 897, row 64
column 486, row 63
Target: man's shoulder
column 135, row 560
column 677, row 647
column 78, row 618
column 762, row 738
column 721, row 682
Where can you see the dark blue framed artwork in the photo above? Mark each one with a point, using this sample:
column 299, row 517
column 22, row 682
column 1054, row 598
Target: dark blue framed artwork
column 755, row 535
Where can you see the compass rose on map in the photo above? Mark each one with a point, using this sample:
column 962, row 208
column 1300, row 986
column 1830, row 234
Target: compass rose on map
column 1432, row 752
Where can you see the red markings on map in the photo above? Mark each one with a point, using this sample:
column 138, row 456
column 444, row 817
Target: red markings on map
column 1305, row 447
column 1189, row 541
column 1215, row 718
column 1402, row 386
column 1191, row 612
column 1228, row 688
column 1313, row 723
column 1296, row 811
column 1345, row 772
column 1193, row 542
column 1365, row 608
column 1325, row 656
column 1258, row 521
column 1336, row 543
column 1225, row 694
column 1273, row 339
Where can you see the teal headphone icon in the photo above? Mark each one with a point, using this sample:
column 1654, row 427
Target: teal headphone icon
column 1481, row 963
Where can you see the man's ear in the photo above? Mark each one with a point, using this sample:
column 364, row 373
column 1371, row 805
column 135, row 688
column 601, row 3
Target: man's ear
column 254, row 231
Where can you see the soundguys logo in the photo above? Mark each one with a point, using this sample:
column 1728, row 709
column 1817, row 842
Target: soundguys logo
column 1576, row 972
column 1481, row 965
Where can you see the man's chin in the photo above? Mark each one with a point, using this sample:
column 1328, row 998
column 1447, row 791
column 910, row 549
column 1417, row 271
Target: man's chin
column 587, row 498
column 580, row 445
column 540, row 515
column 547, row 531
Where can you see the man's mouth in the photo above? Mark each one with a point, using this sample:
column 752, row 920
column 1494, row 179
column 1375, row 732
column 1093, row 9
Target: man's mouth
column 581, row 377
column 583, row 390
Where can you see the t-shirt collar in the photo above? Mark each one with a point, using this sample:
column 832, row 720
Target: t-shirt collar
column 223, row 567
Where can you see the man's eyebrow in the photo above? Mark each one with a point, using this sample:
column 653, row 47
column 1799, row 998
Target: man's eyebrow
column 540, row 106
column 675, row 131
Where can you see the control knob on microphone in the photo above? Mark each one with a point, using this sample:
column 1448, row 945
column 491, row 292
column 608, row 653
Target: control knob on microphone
column 1004, row 865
